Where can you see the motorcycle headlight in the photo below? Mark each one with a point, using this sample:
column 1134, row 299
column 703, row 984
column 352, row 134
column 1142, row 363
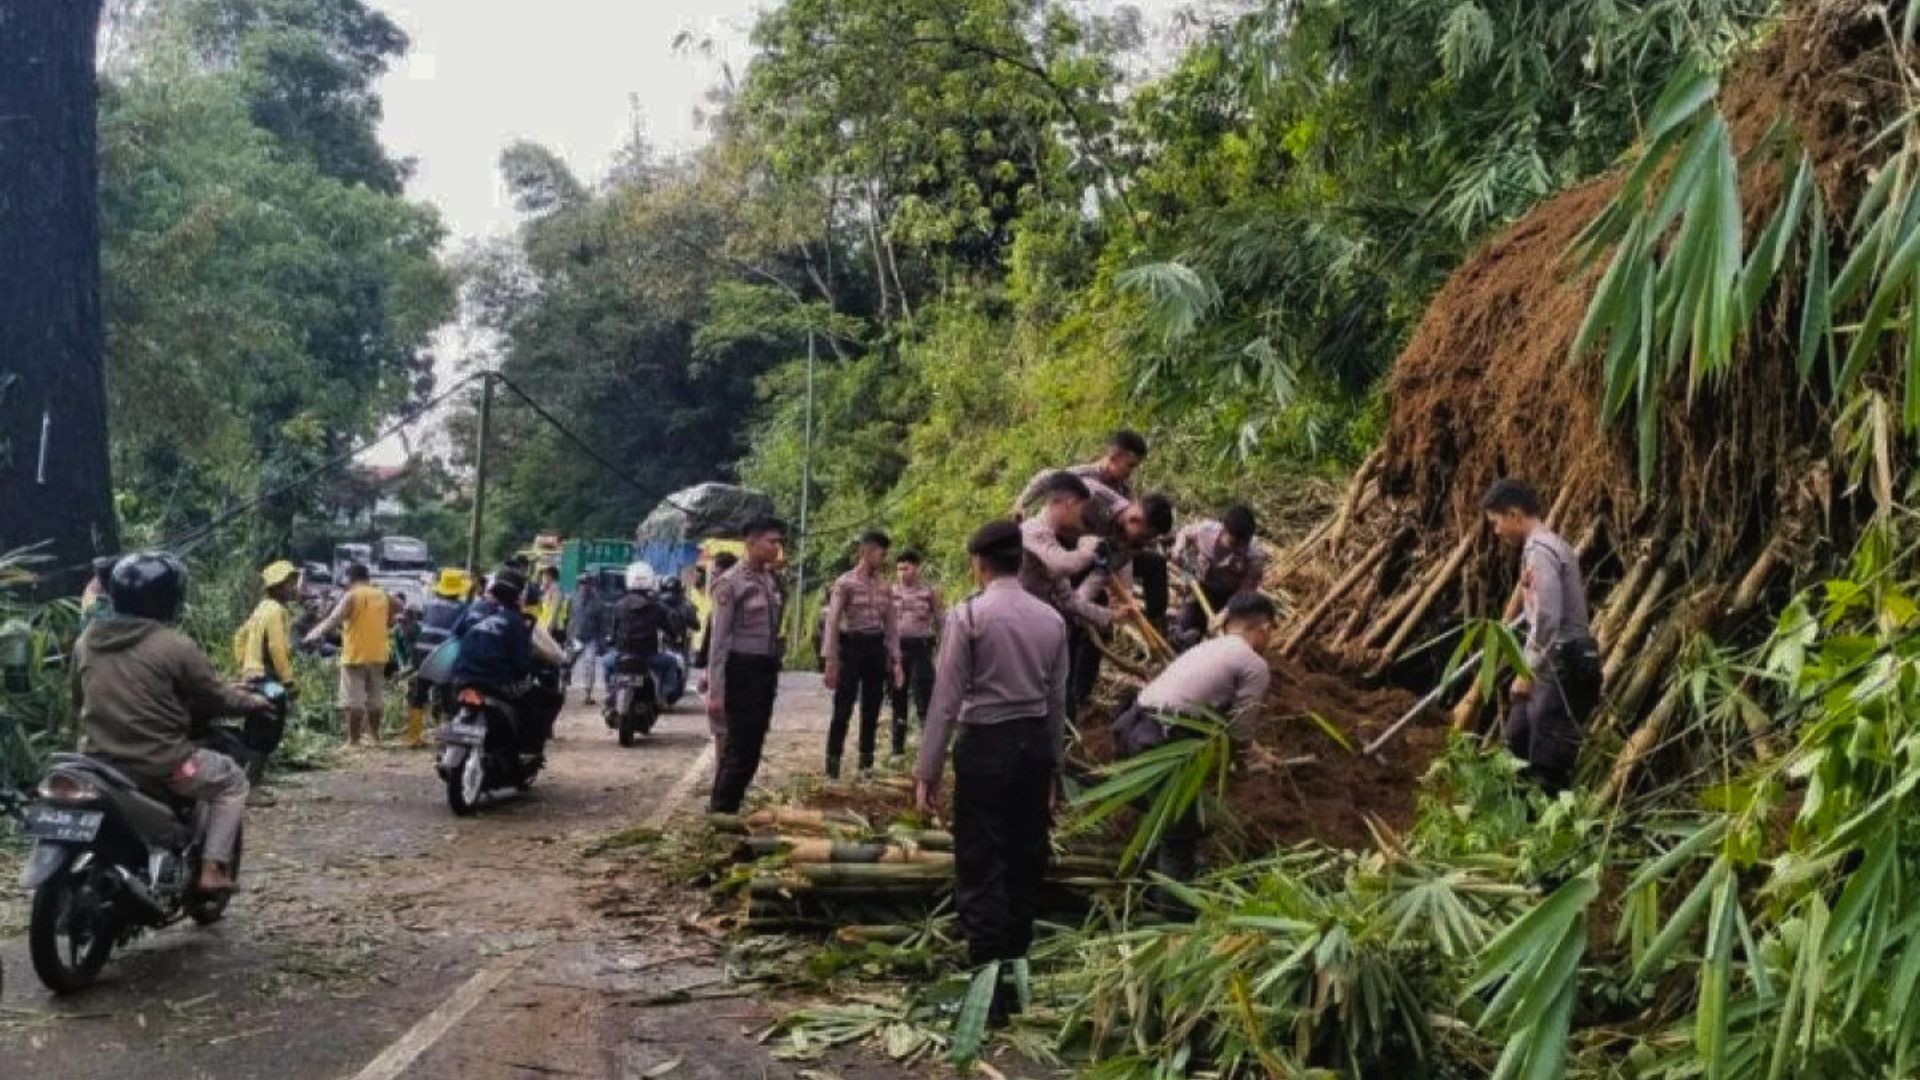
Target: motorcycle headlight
column 68, row 788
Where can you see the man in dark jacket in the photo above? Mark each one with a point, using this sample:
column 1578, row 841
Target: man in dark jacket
column 146, row 691
column 499, row 648
column 586, row 626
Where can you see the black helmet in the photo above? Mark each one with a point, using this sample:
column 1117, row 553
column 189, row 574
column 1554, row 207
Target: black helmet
column 149, row 585
column 507, row 584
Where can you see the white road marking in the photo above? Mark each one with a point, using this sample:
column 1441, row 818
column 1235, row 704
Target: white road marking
column 681, row 787
column 396, row 1059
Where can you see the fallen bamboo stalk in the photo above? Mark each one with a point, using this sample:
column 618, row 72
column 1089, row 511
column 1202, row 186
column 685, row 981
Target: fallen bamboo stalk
column 1467, row 708
column 1622, row 599
column 1643, row 612
column 1431, row 593
column 1646, row 672
column 1747, row 594
column 1642, row 742
column 1353, row 575
column 1350, row 507
column 870, row 934
column 1128, row 666
column 1390, row 619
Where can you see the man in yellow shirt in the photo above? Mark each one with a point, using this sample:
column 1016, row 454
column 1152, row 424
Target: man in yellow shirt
column 362, row 617
column 262, row 652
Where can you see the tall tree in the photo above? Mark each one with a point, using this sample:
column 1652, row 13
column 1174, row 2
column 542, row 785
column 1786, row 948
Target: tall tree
column 54, row 483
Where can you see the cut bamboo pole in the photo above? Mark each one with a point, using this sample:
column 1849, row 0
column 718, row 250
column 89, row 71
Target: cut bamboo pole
column 1389, row 620
column 1340, row 588
column 1467, row 707
column 1431, row 593
column 1748, row 592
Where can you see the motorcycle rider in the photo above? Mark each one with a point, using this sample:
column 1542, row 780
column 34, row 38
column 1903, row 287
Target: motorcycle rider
column 500, row 648
column 636, row 626
column 443, row 613
column 146, row 689
column 683, row 622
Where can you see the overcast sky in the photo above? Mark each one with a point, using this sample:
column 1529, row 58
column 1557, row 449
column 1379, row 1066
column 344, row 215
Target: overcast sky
column 574, row 75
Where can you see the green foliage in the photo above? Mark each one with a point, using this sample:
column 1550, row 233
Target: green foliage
column 1165, row 783
column 268, row 294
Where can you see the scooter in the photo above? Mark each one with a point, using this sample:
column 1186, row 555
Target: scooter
column 480, row 751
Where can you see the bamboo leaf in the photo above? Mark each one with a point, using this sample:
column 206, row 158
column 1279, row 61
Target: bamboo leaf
column 1684, row 917
column 1816, row 316
column 970, row 1029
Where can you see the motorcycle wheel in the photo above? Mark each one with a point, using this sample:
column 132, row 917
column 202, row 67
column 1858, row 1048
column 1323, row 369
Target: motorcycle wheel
column 466, row 782
column 649, row 716
column 630, row 728
column 207, row 910
column 68, row 945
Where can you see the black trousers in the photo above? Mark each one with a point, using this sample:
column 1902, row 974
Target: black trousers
column 1002, row 812
column 1150, row 577
column 864, row 670
column 1083, row 666
column 916, row 657
column 1545, row 730
column 752, row 683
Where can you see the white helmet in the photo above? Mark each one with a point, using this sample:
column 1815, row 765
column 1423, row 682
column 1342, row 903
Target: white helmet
column 640, row 578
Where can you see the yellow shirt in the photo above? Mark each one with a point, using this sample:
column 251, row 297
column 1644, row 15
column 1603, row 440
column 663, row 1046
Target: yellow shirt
column 260, row 645
column 363, row 633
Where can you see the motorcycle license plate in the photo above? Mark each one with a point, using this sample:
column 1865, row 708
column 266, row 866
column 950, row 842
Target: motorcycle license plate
column 463, row 735
column 61, row 824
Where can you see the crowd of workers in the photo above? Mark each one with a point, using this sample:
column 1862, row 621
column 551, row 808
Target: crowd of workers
column 994, row 679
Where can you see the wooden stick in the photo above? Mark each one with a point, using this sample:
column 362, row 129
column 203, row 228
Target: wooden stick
column 1408, row 596
column 1748, row 593
column 1340, row 588
column 1119, row 661
column 1467, row 707
column 1431, row 593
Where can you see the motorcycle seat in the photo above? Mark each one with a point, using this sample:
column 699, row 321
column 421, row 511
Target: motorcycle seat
column 181, row 805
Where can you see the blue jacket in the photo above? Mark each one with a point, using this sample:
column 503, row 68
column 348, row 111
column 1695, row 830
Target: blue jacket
column 496, row 647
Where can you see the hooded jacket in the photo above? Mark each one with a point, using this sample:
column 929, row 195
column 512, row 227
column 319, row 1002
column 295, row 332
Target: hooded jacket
column 144, row 689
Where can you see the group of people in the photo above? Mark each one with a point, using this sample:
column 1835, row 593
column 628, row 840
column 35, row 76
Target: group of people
column 995, row 678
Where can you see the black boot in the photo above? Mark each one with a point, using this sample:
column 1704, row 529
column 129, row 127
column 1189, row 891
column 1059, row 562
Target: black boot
column 833, row 767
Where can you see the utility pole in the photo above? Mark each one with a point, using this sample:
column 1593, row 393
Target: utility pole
column 480, row 475
column 806, row 493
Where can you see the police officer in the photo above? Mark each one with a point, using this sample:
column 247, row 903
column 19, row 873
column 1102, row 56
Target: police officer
column 1223, row 558
column 1226, row 677
column 744, row 655
column 1000, row 684
column 861, row 645
column 1553, row 703
column 1125, row 451
column 917, row 611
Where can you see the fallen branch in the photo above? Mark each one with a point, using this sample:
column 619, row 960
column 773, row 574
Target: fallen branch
column 1340, row 588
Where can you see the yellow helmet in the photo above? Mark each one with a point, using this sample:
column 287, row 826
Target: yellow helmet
column 278, row 572
column 454, row 583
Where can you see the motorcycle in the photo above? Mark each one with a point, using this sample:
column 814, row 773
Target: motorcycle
column 480, row 751
column 632, row 706
column 110, row 861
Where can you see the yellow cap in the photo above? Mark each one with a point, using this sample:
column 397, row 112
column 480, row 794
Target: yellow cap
column 454, row 583
column 275, row 573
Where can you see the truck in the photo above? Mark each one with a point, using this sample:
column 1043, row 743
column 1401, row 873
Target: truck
column 394, row 556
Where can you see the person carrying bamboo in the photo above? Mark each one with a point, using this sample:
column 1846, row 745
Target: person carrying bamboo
column 1225, row 677
column 1222, row 558
column 1555, row 697
column 860, row 641
column 1000, row 685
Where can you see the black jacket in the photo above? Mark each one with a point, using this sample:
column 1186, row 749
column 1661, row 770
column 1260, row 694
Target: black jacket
column 638, row 622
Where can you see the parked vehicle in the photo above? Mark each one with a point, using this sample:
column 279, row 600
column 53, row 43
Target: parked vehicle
column 480, row 751
column 346, row 554
column 403, row 556
column 110, row 861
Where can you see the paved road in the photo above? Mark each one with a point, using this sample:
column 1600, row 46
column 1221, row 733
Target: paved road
column 379, row 937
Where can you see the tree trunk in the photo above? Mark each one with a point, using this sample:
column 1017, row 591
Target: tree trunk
column 54, row 484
